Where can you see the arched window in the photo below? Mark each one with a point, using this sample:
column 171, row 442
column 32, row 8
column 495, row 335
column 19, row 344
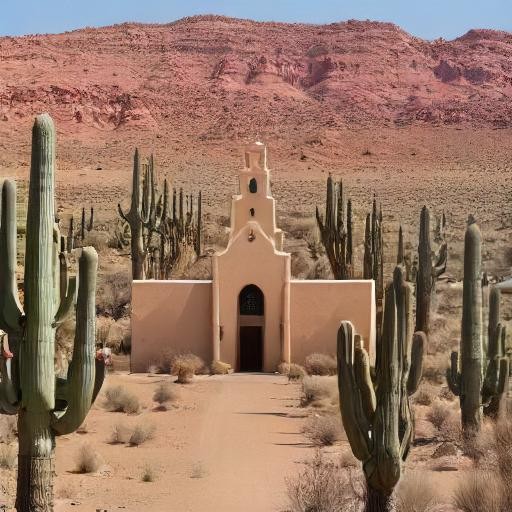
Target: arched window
column 253, row 186
column 251, row 301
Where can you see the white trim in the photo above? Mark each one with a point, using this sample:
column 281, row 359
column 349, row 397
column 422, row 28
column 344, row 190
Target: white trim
column 331, row 281
column 172, row 281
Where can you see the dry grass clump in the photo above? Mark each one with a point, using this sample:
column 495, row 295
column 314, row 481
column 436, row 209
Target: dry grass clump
column 141, row 433
column 415, row 493
column 323, row 430
column 8, row 456
column 319, row 391
column 185, row 366
column 424, row 396
column 148, row 474
column 296, row 372
column 438, row 414
column 219, row 368
column 87, row 460
column 119, row 399
column 323, row 487
column 479, row 491
column 120, row 433
column 321, row 364
column 164, row 395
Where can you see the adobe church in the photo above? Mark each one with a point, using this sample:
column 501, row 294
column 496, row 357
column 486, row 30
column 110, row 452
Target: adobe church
column 252, row 314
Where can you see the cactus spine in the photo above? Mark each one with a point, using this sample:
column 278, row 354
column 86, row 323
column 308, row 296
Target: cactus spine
column 336, row 230
column 430, row 267
column 465, row 375
column 28, row 387
column 376, row 413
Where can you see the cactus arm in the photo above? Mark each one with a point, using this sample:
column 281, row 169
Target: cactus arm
column 364, row 382
column 419, row 343
column 122, row 214
column 353, row 416
column 453, row 374
column 81, row 374
column 9, row 391
column 440, row 261
column 11, row 311
column 66, row 303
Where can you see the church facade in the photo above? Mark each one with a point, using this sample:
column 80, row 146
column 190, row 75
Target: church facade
column 252, row 314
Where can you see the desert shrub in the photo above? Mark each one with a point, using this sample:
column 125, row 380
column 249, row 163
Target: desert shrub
column 316, row 390
column 64, row 340
column 348, row 460
column 283, row 368
column 164, row 393
column 118, row 334
column 219, row 368
column 185, row 366
column 141, row 433
column 424, row 396
column 120, row 433
column 478, row 491
column 434, row 369
column 438, row 414
column 320, row 364
column 296, row 372
column 415, row 493
column 323, row 430
column 198, row 470
column 148, row 474
column 8, row 456
column 8, row 429
column 103, row 327
column 97, row 239
column 119, row 399
column 323, row 487
column 113, row 295
column 87, row 460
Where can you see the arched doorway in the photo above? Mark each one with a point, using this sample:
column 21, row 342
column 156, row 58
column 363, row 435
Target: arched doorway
column 251, row 320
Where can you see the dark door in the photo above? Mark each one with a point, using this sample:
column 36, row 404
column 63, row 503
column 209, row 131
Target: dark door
column 251, row 348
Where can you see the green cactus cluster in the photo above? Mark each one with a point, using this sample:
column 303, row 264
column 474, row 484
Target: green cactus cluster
column 161, row 230
column 47, row 406
column 479, row 372
column 336, row 230
column 374, row 402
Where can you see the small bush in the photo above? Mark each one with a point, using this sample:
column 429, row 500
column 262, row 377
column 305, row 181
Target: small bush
column 438, row 414
column 415, row 493
column 316, row 390
column 8, row 429
column 283, row 368
column 118, row 399
column 219, row 368
column 141, row 433
column 185, row 366
column 87, row 460
column 296, row 372
column 323, row 430
column 321, row 364
column 120, row 434
column 423, row 397
column 148, row 474
column 164, row 393
column 323, row 487
column 198, row 471
column 8, row 456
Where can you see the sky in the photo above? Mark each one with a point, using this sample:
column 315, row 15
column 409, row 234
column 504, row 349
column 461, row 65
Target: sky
column 428, row 19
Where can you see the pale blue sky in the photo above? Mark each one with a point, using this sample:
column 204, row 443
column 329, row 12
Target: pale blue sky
column 425, row 18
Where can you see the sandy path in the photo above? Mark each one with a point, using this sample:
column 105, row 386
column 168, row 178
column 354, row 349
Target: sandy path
column 228, row 446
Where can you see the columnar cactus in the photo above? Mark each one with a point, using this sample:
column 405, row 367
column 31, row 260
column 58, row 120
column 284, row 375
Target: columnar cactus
column 430, row 267
column 336, row 230
column 84, row 225
column 467, row 369
column 376, row 412
column 46, row 406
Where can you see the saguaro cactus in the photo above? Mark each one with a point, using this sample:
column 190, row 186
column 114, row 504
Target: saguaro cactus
column 376, row 413
column 46, row 406
column 465, row 375
column 430, row 267
column 336, row 230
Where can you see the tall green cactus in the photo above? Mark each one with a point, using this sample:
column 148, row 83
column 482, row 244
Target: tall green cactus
column 46, row 406
column 336, row 230
column 466, row 373
column 376, row 412
column 430, row 267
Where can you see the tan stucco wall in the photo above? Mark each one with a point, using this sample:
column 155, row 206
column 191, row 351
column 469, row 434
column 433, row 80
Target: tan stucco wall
column 318, row 307
column 245, row 263
column 170, row 315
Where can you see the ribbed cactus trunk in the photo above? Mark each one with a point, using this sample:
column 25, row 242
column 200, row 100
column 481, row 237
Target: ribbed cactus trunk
column 424, row 278
column 471, row 350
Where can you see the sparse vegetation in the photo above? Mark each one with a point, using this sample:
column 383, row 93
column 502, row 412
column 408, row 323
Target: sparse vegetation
column 119, row 399
column 87, row 459
column 164, row 394
column 319, row 391
column 141, row 433
column 185, row 366
column 320, row 364
column 120, row 433
column 219, row 368
column 148, row 474
column 438, row 414
column 323, row 430
column 8, row 456
column 415, row 493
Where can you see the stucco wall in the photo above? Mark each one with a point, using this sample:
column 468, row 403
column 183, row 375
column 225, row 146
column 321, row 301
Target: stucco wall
column 317, row 308
column 170, row 315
